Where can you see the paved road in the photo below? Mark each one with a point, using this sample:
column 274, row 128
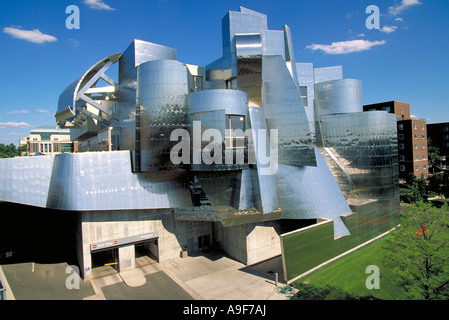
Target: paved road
column 210, row 276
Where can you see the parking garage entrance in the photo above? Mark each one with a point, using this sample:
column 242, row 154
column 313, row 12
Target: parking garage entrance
column 106, row 256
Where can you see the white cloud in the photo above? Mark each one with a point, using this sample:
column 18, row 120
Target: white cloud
column 14, row 125
column 18, row 112
column 34, row 36
column 97, row 5
column 399, row 19
column 399, row 8
column 362, row 35
column 345, row 47
column 43, row 111
column 388, row 29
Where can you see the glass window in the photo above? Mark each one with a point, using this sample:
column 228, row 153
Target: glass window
column 401, row 146
column 416, row 146
column 423, row 136
column 235, row 137
column 303, row 92
column 416, row 136
column 423, row 127
column 417, row 167
column 415, row 126
column 425, row 166
column 424, row 157
column 401, row 137
column 416, row 157
column 446, row 129
column 401, row 157
column 401, row 126
column 423, row 145
column 402, row 168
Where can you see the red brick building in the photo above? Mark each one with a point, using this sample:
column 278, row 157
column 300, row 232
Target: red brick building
column 412, row 138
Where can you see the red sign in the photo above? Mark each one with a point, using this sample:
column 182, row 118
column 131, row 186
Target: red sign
column 115, row 242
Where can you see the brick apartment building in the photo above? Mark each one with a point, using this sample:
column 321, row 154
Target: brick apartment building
column 412, row 138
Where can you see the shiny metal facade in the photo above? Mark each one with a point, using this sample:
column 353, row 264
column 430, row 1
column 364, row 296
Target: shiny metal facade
column 328, row 151
column 339, row 96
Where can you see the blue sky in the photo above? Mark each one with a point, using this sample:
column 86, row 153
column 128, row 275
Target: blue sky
column 407, row 59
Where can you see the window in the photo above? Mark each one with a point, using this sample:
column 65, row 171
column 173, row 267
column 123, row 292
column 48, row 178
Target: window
column 415, row 126
column 388, row 109
column 417, row 167
column 303, row 92
column 423, row 127
column 446, row 129
column 425, row 166
column 401, row 136
column 446, row 137
column 416, row 157
column 401, row 157
column 198, row 82
column 416, row 146
column 423, row 136
column 401, row 146
column 423, row 145
column 401, row 126
column 235, row 137
column 416, row 136
column 424, row 157
column 402, row 168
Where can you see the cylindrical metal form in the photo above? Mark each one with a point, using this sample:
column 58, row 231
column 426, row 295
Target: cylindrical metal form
column 163, row 89
column 339, row 96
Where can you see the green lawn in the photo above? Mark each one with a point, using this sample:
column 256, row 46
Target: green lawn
column 347, row 276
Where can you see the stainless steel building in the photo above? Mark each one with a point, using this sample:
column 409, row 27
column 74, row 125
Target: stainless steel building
column 239, row 154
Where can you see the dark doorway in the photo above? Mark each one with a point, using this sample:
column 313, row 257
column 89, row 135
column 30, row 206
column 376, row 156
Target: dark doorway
column 104, row 262
column 204, row 242
column 146, row 253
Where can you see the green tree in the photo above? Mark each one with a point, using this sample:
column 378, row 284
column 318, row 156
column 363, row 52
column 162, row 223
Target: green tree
column 418, row 251
column 8, row 151
column 433, row 155
column 417, row 189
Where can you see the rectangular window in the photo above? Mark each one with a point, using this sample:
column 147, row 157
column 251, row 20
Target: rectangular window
column 415, row 126
column 425, row 167
column 402, row 168
column 423, row 145
column 388, row 109
column 401, row 126
column 303, row 92
column 424, row 157
column 401, row 157
column 446, row 129
column 416, row 146
column 417, row 168
column 401, row 146
column 401, row 136
column 423, row 136
column 235, row 137
column 416, row 136
column 423, row 127
column 416, row 157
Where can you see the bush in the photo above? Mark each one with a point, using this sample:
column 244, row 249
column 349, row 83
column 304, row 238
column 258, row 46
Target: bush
column 311, row 292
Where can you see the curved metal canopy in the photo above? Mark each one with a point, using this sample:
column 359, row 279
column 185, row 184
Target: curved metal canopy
column 75, row 98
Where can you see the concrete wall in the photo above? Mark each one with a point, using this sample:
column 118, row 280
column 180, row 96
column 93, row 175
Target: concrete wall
column 251, row 243
column 109, row 225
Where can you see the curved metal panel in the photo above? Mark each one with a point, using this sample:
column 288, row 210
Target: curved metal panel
column 339, row 96
column 284, row 110
column 79, row 88
column 162, row 93
column 312, row 193
column 208, row 110
column 366, row 145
